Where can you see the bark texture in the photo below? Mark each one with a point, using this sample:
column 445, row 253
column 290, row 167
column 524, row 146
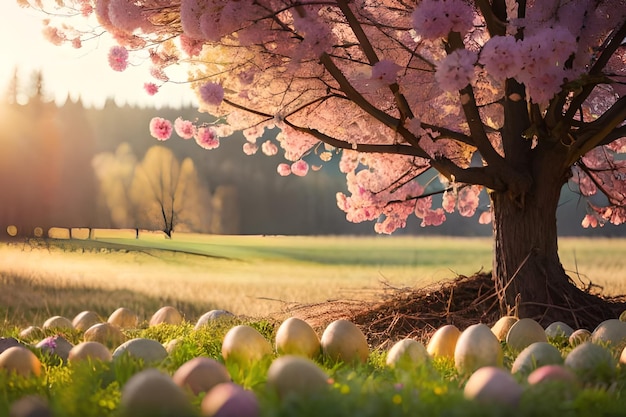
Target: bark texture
column 528, row 275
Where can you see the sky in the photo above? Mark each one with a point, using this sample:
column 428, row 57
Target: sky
column 83, row 72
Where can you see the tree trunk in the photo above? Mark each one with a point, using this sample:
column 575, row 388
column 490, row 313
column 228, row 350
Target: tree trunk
column 527, row 272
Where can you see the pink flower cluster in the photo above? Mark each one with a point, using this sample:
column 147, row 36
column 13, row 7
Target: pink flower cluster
column 206, row 137
column 213, row 19
column 433, row 19
column 537, row 60
column 151, row 88
column 456, row 70
column 118, row 58
column 190, row 46
column 125, row 15
column 250, row 148
column 269, row 148
column 184, row 128
column 317, row 37
column 604, row 171
column 160, row 129
column 300, row 168
column 283, row 169
column 386, row 71
column 500, row 57
column 212, row 94
column 390, row 208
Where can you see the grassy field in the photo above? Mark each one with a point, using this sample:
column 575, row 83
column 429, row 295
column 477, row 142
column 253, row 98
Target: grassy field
column 251, row 275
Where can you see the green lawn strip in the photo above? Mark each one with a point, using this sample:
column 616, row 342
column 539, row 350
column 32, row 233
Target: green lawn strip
column 93, row 389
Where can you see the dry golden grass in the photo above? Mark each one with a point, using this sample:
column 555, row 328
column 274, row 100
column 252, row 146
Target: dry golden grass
column 252, row 275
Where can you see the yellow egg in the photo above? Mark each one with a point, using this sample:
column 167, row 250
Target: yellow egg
column 90, row 350
column 343, row 341
column 124, row 318
column 20, row 360
column 244, row 344
column 296, row 376
column 443, row 342
column 296, row 337
column 477, row 347
column 502, row 326
column 167, row 315
column 105, row 333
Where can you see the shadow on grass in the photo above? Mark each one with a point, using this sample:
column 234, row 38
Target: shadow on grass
column 24, row 302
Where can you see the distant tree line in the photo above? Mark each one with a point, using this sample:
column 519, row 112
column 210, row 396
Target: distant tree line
column 72, row 166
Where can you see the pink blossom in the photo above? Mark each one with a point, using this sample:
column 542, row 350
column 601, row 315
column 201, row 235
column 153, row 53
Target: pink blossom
column 318, row 38
column 212, row 94
column 151, row 88
column 617, row 215
column 468, row 200
column 77, row 43
column 448, row 202
column 160, row 128
column 54, row 35
column 456, row 70
column 158, row 73
column 433, row 19
column 250, row 148
column 86, row 8
column 423, row 206
column 501, row 57
column 190, row 46
column 414, row 125
column 269, row 148
column 118, row 58
column 386, row 71
column 300, row 168
column 190, row 12
column 102, row 14
column 590, row 220
column 543, row 56
column 207, row 137
column 485, row 217
column 184, row 128
column 283, row 169
column 389, row 225
column 433, row 218
column 125, row 15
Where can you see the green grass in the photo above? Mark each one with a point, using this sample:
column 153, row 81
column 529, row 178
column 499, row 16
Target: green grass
column 94, row 389
column 254, row 276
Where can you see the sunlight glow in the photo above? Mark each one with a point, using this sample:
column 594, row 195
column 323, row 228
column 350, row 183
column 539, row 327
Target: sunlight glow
column 74, row 73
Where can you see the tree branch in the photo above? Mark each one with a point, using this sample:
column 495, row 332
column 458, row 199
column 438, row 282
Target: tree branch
column 495, row 25
column 364, row 41
column 616, row 38
column 617, row 133
column 446, row 133
column 396, row 148
column 473, row 175
column 472, row 114
column 595, row 133
column 372, row 57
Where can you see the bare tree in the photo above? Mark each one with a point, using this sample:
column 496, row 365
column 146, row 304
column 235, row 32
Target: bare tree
column 153, row 190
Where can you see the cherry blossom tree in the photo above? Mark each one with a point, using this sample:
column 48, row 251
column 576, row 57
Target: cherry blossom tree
column 513, row 97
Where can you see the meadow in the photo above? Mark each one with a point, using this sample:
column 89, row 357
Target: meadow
column 260, row 278
column 252, row 276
